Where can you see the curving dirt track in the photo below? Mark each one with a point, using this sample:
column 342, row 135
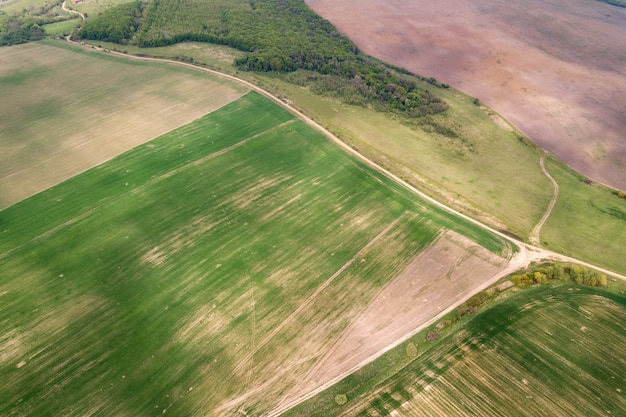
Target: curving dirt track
column 556, row 69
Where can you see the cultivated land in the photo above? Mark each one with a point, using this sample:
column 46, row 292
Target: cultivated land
column 500, row 182
column 65, row 110
column 551, row 350
column 554, row 69
column 255, row 330
column 209, row 270
column 490, row 171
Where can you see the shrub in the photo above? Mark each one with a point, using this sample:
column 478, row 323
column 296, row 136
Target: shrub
column 432, row 335
column 411, row 350
column 341, row 399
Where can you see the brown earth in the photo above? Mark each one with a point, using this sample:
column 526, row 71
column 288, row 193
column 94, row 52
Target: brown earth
column 441, row 276
column 555, row 69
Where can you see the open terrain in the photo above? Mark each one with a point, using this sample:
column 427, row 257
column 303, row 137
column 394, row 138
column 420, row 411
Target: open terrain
column 554, row 69
column 500, row 182
column 444, row 274
column 243, row 261
column 549, row 350
column 207, row 271
column 484, row 168
column 66, row 110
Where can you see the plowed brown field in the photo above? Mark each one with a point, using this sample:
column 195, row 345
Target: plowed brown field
column 555, row 69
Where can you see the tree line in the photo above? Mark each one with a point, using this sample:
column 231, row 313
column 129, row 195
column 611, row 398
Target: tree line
column 578, row 274
column 280, row 36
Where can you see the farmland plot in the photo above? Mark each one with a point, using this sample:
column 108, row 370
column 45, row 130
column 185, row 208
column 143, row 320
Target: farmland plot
column 548, row 351
column 200, row 273
column 65, row 110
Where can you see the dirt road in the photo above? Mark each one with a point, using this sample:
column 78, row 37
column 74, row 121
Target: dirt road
column 524, row 257
column 534, row 236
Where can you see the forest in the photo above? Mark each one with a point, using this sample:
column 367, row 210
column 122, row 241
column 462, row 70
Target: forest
column 280, row 36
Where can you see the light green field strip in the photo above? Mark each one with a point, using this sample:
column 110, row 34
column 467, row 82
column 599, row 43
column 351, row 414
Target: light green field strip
column 587, row 221
column 65, row 110
column 140, row 285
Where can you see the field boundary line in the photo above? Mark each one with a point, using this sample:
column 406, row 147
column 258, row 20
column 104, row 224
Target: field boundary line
column 105, row 201
column 52, row 154
column 319, row 289
column 213, row 155
column 534, row 236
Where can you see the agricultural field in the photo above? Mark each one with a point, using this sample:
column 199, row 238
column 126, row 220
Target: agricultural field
column 551, row 350
column 209, row 270
column 468, row 156
column 241, row 260
column 66, row 109
column 500, row 183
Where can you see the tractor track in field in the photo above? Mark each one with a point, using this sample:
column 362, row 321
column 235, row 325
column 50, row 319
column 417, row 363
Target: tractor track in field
column 319, row 289
column 528, row 253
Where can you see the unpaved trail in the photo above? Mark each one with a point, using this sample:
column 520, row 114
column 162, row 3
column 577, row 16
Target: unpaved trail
column 82, row 16
column 534, row 236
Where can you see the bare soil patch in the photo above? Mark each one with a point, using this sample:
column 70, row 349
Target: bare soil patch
column 437, row 278
column 554, row 69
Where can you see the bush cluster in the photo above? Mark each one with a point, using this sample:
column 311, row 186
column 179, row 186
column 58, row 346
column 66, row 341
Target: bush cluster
column 117, row 24
column 578, row 274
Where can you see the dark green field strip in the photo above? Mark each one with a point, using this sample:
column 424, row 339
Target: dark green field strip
column 550, row 350
column 135, row 281
column 104, row 279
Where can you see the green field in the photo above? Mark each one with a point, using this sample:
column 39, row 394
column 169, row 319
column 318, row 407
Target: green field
column 145, row 283
column 63, row 28
column 67, row 108
column 551, row 350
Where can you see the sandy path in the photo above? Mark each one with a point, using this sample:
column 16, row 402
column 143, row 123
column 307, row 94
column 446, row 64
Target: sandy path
column 534, row 236
column 555, row 69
